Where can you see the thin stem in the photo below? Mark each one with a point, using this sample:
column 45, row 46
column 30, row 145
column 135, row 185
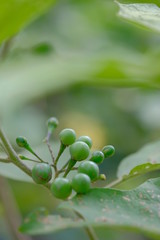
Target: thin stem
column 3, row 148
column 114, row 183
column 49, row 148
column 64, row 166
column 61, row 150
column 5, row 49
column 11, row 211
column 31, row 151
column 89, row 230
column 5, row 160
column 70, row 166
column 28, row 159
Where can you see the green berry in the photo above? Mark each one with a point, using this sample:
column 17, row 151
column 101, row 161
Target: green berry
column 86, row 139
column 67, row 136
column 97, row 157
column 79, row 151
column 61, row 188
column 42, row 173
column 108, row 151
column 21, row 142
column 89, row 168
column 102, row 177
column 52, row 123
column 81, row 183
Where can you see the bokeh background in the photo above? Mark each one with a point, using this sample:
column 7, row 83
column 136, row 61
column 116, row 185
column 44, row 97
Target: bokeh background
column 83, row 64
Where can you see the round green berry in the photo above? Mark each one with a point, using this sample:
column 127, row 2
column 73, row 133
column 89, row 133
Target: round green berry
column 86, row 139
column 67, row 136
column 21, row 142
column 52, row 123
column 108, row 151
column 89, row 168
column 97, row 157
column 61, row 188
column 42, row 173
column 79, row 151
column 81, row 183
column 102, row 177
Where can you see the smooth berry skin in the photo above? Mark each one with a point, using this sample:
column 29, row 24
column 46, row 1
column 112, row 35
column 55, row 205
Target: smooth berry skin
column 108, row 151
column 42, row 173
column 81, row 183
column 79, row 151
column 89, row 168
column 97, row 157
column 61, row 188
column 86, row 139
column 52, row 123
column 21, row 142
column 67, row 136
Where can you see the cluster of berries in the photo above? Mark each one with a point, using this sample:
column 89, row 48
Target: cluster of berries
column 87, row 171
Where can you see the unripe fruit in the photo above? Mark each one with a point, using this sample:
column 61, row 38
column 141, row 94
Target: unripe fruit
column 102, row 177
column 86, row 139
column 61, row 188
column 81, row 183
column 21, row 142
column 89, row 168
column 42, row 173
column 67, row 136
column 97, row 157
column 108, row 151
column 79, row 151
column 52, row 123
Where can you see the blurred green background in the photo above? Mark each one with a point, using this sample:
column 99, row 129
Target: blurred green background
column 83, row 64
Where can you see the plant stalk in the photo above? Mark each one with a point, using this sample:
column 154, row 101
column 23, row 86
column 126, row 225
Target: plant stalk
column 11, row 211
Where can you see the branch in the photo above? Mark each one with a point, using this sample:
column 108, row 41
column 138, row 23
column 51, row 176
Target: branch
column 13, row 155
column 14, row 158
column 5, row 160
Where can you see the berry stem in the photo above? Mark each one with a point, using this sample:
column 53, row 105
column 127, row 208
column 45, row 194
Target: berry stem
column 70, row 166
column 28, row 159
column 49, row 147
column 61, row 150
column 64, row 166
column 31, row 151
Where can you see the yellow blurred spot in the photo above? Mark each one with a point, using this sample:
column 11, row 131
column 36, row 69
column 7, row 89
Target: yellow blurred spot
column 86, row 125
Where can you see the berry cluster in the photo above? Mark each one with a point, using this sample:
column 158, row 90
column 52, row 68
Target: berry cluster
column 87, row 170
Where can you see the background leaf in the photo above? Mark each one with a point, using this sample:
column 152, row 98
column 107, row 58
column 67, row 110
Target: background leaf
column 150, row 153
column 15, row 14
column 138, row 167
column 147, row 15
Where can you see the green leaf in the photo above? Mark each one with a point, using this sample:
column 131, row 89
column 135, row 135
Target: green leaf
column 150, row 153
column 40, row 222
column 137, row 176
column 147, row 15
column 135, row 210
column 45, row 75
column 138, row 167
column 15, row 14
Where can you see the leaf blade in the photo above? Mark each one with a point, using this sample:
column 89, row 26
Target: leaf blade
column 144, row 14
